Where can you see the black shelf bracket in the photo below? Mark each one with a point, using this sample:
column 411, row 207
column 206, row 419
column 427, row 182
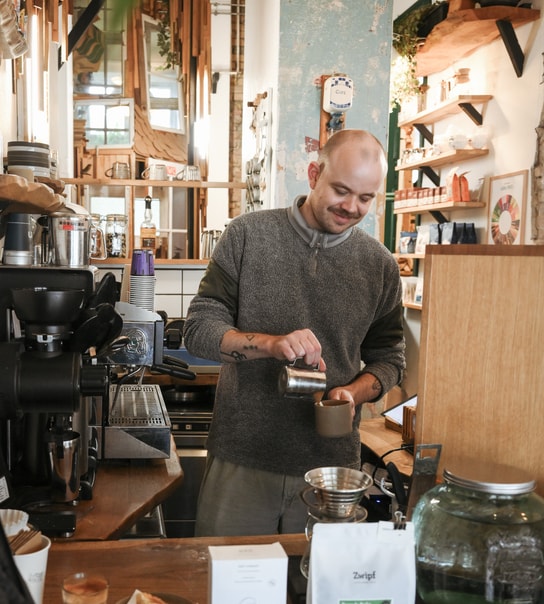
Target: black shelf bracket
column 438, row 216
column 425, row 132
column 78, row 29
column 508, row 35
column 472, row 113
column 431, row 175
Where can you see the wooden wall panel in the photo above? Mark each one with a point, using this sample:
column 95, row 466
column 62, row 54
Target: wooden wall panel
column 481, row 369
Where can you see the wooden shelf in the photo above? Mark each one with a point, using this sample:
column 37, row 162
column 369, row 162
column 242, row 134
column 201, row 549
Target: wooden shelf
column 119, row 262
column 446, row 109
column 409, row 256
column 449, row 157
column 183, row 184
column 448, row 206
column 463, row 31
column 412, row 305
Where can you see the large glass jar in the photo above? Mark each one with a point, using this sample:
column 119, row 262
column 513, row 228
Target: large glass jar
column 116, row 235
column 480, row 537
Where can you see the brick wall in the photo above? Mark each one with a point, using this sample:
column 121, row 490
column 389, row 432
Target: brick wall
column 236, row 169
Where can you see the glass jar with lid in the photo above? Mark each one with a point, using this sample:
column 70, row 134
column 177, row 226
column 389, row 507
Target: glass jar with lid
column 480, row 537
column 116, row 235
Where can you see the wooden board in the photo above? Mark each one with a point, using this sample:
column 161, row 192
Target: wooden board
column 171, row 566
column 463, row 32
column 481, row 368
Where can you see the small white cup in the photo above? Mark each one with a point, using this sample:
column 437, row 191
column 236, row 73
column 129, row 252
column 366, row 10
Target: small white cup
column 32, row 568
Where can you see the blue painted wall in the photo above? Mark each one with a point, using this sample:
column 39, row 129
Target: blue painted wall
column 322, row 37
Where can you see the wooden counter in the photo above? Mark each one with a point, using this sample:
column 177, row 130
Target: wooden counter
column 381, row 440
column 125, row 491
column 175, row 566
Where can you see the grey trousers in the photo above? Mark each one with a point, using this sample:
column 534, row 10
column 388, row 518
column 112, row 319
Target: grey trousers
column 235, row 500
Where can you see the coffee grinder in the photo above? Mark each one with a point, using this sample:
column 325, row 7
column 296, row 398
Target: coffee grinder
column 46, row 385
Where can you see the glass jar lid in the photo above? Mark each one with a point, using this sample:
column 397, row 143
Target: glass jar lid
column 489, row 477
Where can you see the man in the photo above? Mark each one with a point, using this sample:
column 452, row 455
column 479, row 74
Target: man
column 285, row 284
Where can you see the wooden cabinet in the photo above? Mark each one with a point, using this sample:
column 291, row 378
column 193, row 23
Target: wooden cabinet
column 481, row 372
column 179, row 211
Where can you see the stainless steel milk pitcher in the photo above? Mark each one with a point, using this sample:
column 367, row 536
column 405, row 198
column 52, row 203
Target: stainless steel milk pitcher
column 301, row 381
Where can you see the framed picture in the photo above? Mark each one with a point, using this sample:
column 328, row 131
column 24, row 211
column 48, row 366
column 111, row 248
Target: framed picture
column 507, row 201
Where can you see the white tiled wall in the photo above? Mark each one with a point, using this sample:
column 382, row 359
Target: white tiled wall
column 174, row 287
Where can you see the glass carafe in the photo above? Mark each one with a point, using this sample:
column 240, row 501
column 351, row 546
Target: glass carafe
column 480, row 537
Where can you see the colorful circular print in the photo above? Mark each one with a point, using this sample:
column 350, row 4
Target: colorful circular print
column 506, row 221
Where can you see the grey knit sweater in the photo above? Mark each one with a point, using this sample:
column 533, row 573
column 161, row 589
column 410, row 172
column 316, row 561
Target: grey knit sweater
column 271, row 274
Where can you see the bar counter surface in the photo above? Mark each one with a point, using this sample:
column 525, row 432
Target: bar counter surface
column 167, row 566
column 125, row 491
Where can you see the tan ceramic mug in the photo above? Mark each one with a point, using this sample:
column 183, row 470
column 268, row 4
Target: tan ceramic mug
column 333, row 418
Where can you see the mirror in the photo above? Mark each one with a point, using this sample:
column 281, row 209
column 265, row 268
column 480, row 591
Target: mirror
column 163, row 87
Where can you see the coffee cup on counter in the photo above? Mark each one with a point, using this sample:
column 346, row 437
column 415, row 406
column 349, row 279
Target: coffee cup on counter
column 333, row 418
column 32, row 567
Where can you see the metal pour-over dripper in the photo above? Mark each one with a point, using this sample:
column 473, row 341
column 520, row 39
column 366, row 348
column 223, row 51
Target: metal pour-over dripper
column 337, row 491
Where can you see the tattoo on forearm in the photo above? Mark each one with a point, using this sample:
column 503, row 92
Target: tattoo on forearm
column 240, row 356
column 250, row 337
column 376, row 386
column 237, row 356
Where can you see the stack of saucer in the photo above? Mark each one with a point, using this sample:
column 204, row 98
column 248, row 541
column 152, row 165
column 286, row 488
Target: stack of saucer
column 142, row 280
column 29, row 157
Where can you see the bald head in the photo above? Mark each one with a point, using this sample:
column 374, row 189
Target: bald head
column 361, row 142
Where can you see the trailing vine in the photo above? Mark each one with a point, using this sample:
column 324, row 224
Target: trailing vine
column 164, row 38
column 406, row 41
column 406, row 38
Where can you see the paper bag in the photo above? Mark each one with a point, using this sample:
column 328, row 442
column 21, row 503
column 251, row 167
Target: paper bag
column 372, row 563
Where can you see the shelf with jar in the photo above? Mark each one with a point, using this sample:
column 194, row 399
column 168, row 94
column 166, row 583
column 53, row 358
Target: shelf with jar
column 452, row 147
column 178, row 207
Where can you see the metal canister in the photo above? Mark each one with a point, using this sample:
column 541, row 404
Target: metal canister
column 300, row 381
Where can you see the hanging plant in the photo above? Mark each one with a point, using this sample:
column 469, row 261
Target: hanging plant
column 164, row 38
column 412, row 27
column 407, row 38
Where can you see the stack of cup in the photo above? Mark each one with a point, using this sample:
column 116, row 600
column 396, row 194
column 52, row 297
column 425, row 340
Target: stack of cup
column 142, row 280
